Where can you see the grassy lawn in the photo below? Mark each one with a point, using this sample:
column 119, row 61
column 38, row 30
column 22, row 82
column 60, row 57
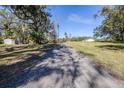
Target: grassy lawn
column 10, row 54
column 109, row 55
column 13, row 53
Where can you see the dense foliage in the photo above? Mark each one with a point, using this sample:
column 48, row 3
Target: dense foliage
column 26, row 23
column 112, row 26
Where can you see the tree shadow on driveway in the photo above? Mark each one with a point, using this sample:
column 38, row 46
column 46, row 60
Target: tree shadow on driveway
column 31, row 69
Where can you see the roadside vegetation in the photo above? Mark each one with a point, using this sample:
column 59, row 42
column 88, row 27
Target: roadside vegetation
column 29, row 27
column 26, row 24
column 107, row 54
column 14, row 53
column 112, row 27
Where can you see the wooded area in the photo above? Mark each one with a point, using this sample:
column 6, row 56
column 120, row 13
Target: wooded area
column 26, row 24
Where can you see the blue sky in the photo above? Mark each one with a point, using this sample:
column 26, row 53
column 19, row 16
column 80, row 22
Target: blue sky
column 76, row 20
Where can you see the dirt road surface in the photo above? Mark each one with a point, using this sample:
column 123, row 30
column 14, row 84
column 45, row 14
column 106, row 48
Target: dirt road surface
column 63, row 67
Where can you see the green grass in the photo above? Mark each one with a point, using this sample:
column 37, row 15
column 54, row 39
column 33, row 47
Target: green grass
column 109, row 55
column 15, row 53
column 10, row 54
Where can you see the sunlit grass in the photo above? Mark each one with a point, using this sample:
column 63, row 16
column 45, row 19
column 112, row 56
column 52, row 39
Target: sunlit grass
column 18, row 53
column 110, row 55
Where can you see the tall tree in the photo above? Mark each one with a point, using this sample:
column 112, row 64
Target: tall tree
column 112, row 26
column 36, row 17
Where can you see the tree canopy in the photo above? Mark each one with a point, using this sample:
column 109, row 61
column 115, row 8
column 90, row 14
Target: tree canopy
column 112, row 26
column 25, row 23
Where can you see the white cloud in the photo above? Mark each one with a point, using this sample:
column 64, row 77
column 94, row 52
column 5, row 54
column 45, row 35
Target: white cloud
column 79, row 19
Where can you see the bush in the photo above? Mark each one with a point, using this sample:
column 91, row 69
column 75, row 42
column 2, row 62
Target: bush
column 79, row 38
